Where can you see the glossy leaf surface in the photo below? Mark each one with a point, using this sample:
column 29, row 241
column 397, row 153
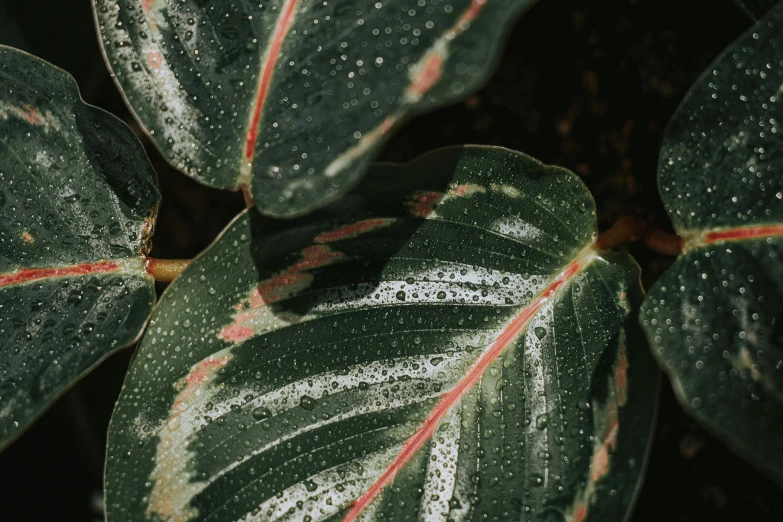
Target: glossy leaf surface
column 292, row 98
column 714, row 319
column 455, row 349
column 77, row 200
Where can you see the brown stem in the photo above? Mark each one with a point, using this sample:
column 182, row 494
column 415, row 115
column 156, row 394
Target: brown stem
column 663, row 242
column 249, row 201
column 165, row 270
column 626, row 229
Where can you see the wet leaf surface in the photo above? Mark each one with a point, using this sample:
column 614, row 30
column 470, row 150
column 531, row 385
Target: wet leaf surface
column 78, row 198
column 644, row 60
column 450, row 321
column 714, row 319
column 292, row 99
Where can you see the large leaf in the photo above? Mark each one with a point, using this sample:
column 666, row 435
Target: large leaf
column 462, row 331
column 715, row 319
column 292, row 98
column 78, row 198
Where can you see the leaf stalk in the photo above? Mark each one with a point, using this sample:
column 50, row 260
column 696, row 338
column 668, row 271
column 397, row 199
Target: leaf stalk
column 165, row 270
column 626, row 229
column 663, row 242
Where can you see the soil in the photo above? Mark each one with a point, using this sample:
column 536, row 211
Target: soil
column 586, row 85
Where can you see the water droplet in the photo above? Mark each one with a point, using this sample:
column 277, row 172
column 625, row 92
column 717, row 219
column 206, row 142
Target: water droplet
column 261, row 413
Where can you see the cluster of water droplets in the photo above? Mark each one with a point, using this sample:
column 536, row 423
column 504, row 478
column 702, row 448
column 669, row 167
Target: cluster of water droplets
column 332, row 79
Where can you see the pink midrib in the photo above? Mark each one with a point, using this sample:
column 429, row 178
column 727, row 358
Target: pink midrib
column 449, row 399
column 734, row 234
column 267, row 72
column 33, row 274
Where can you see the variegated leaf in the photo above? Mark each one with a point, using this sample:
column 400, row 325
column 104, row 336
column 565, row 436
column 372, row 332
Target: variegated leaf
column 291, row 99
column 714, row 319
column 78, row 199
column 446, row 343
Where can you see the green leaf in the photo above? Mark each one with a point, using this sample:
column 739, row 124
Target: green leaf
column 78, row 199
column 465, row 311
column 292, row 99
column 714, row 318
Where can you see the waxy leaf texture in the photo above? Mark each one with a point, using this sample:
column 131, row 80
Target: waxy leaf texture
column 291, row 99
column 78, row 199
column 445, row 343
column 715, row 318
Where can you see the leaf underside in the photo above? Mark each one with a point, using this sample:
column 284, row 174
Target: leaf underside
column 78, row 196
column 714, row 318
column 292, row 98
column 284, row 371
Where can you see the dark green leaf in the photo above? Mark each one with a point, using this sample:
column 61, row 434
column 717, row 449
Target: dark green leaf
column 78, row 198
column 714, row 319
column 289, row 98
column 285, row 369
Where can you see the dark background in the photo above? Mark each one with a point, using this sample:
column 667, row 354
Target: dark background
column 589, row 85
